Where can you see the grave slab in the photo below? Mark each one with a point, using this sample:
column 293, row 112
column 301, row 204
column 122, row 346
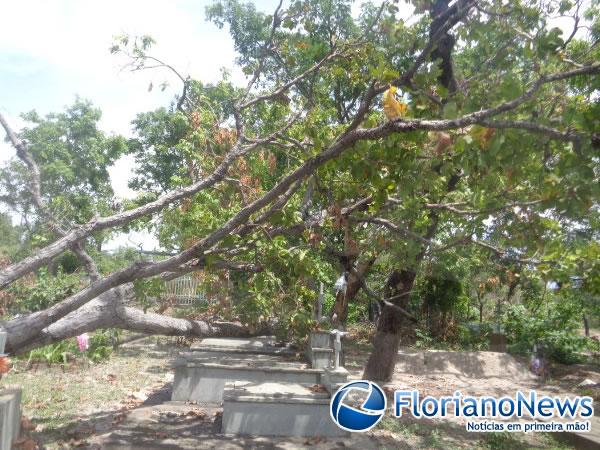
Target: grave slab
column 277, row 409
column 201, row 376
column 260, row 344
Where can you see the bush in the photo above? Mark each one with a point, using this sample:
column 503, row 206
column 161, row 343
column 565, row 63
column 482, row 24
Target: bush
column 101, row 345
column 361, row 332
column 42, row 293
column 100, row 348
column 59, row 353
column 553, row 328
column 476, row 337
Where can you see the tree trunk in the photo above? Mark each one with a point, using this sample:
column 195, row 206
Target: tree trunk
column 339, row 313
column 381, row 363
column 480, row 302
column 586, row 326
column 110, row 310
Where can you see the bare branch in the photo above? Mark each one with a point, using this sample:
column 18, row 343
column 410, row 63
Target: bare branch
column 567, row 136
column 505, row 254
column 452, row 208
column 274, row 25
column 80, row 232
column 448, row 19
column 282, row 89
column 392, row 227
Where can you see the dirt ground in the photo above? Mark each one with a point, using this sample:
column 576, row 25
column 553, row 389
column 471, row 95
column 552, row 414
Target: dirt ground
column 124, row 403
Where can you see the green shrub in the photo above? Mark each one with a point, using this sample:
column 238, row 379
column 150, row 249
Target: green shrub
column 100, row 347
column 473, row 337
column 57, row 353
column 45, row 292
column 424, row 339
column 500, row 441
column 553, row 328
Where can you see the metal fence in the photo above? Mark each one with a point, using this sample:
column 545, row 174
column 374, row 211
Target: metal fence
column 184, row 290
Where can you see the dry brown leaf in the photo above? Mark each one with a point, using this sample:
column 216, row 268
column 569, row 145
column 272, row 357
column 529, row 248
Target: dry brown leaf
column 26, row 424
column 196, row 413
column 4, row 364
column 111, row 378
column 25, row 444
column 36, row 405
column 317, row 388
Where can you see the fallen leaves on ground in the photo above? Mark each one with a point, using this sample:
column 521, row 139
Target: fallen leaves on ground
column 317, row 388
column 134, row 399
column 26, row 424
column 26, row 443
column 314, row 440
column 196, row 413
column 36, row 405
column 389, row 392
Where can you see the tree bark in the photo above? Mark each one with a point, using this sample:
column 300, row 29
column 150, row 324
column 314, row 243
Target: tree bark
column 339, row 314
column 111, row 310
column 381, row 363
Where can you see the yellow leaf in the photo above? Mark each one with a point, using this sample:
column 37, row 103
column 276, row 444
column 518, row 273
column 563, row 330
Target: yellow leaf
column 393, row 108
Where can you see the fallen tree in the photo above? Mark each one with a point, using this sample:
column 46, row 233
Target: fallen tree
column 319, row 117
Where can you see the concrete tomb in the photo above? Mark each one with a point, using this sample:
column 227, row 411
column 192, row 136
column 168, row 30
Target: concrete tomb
column 201, row 376
column 10, row 416
column 277, row 409
column 320, row 349
column 264, row 389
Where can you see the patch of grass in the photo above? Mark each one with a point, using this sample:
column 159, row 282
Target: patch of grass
column 396, row 426
column 552, row 443
column 501, row 441
column 60, row 399
column 434, row 440
column 515, row 441
column 420, row 434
